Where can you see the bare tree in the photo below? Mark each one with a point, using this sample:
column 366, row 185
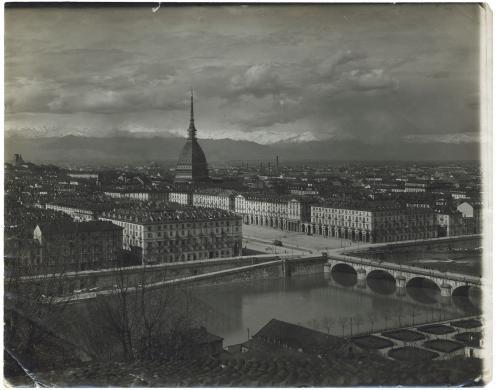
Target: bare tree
column 399, row 315
column 342, row 321
column 358, row 320
column 387, row 317
column 413, row 313
column 314, row 323
column 34, row 299
column 328, row 323
column 145, row 319
column 371, row 316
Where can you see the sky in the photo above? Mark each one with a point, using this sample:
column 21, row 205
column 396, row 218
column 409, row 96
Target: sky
column 259, row 73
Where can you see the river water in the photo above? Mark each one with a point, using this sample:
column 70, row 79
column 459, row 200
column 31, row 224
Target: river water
column 334, row 303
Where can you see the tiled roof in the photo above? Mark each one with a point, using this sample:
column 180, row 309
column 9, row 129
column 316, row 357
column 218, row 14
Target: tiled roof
column 362, row 205
column 215, row 191
column 77, row 227
column 296, row 336
column 175, row 213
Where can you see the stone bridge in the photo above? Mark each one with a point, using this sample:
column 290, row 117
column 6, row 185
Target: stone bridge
column 448, row 283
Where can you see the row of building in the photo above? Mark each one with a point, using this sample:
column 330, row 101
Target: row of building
column 162, row 235
column 150, row 233
column 366, row 221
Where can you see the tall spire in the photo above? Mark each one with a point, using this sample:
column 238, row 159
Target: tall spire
column 192, row 129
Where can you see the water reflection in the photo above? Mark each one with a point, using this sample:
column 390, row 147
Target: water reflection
column 326, row 302
column 468, row 299
column 423, row 290
column 344, row 275
column 381, row 282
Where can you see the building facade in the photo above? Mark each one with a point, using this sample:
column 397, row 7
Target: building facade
column 214, row 198
column 153, row 196
column 77, row 246
column 179, row 234
column 452, row 224
column 184, row 198
column 372, row 222
column 472, row 212
column 280, row 212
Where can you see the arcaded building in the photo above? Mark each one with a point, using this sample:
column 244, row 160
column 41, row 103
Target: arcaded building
column 165, row 235
column 214, row 198
column 192, row 165
column 368, row 221
column 276, row 211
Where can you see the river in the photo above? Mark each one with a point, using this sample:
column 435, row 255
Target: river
column 324, row 302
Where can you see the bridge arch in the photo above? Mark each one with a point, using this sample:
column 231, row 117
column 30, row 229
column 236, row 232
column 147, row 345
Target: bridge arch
column 381, row 282
column 468, row 298
column 344, row 274
column 423, row 289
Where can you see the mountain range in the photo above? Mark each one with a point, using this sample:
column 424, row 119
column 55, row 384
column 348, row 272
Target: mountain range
column 132, row 149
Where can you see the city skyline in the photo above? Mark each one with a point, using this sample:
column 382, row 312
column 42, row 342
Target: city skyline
column 255, row 195
column 266, row 74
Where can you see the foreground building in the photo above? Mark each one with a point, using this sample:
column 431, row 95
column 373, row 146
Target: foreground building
column 164, row 235
column 77, row 246
column 372, row 221
column 192, row 165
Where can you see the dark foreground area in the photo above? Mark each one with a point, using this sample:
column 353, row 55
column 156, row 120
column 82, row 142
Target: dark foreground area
column 275, row 369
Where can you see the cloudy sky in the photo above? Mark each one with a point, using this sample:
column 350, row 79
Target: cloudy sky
column 260, row 73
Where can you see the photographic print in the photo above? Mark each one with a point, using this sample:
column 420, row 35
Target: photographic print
column 247, row 195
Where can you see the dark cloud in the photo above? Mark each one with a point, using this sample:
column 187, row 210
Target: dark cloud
column 262, row 73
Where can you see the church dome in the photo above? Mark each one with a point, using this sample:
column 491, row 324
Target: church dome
column 192, row 165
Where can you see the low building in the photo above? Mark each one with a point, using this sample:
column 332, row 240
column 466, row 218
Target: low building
column 373, row 222
column 21, row 255
column 453, row 224
column 76, row 246
column 303, row 189
column 472, row 211
column 285, row 335
column 83, row 175
column 167, row 233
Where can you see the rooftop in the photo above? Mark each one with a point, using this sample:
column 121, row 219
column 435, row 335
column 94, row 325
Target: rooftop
column 167, row 213
column 215, row 191
column 77, row 227
column 365, row 205
column 296, row 336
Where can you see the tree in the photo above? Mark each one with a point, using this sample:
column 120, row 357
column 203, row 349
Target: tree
column 399, row 314
column 314, row 323
column 34, row 300
column 371, row 316
column 327, row 323
column 358, row 320
column 412, row 313
column 342, row 321
column 387, row 316
column 147, row 320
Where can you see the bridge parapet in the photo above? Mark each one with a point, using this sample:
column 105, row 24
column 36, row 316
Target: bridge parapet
column 447, row 282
